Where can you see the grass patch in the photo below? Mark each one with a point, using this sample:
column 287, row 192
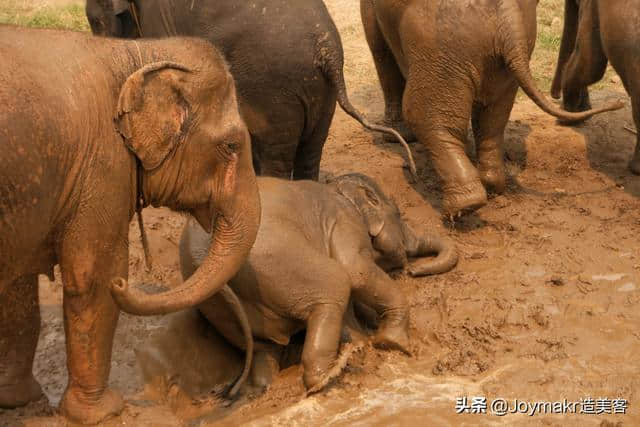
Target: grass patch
column 27, row 14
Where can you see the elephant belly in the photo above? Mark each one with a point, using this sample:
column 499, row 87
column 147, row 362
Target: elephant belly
column 267, row 325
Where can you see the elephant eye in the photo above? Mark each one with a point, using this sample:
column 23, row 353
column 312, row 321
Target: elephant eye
column 231, row 147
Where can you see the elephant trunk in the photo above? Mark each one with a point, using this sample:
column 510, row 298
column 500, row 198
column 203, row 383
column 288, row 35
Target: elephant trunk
column 514, row 40
column 427, row 244
column 569, row 34
column 329, row 58
column 234, row 232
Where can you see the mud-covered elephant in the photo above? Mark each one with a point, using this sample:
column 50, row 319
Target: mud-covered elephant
column 90, row 130
column 443, row 62
column 597, row 32
column 285, row 56
column 318, row 245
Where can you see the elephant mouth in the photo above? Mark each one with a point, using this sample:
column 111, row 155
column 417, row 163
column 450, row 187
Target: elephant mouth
column 206, row 217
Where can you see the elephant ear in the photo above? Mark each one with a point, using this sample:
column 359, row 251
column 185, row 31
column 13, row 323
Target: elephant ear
column 368, row 203
column 153, row 113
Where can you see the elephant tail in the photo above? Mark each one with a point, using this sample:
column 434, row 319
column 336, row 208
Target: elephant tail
column 515, row 53
column 330, row 60
column 233, row 301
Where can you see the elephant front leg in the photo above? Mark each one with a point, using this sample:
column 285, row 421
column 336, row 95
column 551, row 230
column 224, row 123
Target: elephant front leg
column 634, row 165
column 489, row 123
column 391, row 79
column 19, row 331
column 439, row 114
column 324, row 327
column 90, row 318
column 377, row 291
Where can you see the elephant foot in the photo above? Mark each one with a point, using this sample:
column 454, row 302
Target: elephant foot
column 577, row 105
column 459, row 200
column 20, row 394
column 634, row 165
column 263, row 369
column 83, row 409
column 492, row 174
column 392, row 338
column 401, row 127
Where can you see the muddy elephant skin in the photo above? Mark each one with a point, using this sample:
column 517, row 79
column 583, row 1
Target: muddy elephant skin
column 318, row 245
column 89, row 126
column 597, row 32
column 443, row 62
column 285, row 56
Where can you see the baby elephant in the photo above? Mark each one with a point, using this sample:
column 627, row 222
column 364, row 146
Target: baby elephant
column 318, row 245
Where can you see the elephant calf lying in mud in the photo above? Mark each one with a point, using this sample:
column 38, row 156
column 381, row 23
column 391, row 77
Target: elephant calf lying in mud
column 319, row 245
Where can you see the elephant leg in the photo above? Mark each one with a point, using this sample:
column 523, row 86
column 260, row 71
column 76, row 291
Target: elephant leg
column 489, row 122
column 634, row 165
column 89, row 261
column 20, row 328
column 440, row 118
column 309, row 152
column 265, row 366
column 277, row 152
column 377, row 291
column 391, row 79
column 567, row 44
column 586, row 65
column 322, row 340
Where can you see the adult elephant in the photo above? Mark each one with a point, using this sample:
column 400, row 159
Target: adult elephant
column 596, row 32
column 72, row 176
column 443, row 62
column 286, row 58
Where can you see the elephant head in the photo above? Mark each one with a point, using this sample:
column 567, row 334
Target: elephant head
column 194, row 155
column 111, row 18
column 393, row 240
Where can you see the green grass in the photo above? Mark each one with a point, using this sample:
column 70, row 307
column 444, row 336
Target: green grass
column 543, row 62
column 26, row 14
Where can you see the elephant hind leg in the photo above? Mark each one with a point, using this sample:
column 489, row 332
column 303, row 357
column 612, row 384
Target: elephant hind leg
column 391, row 79
column 309, row 151
column 634, row 165
column 489, row 122
column 19, row 331
column 587, row 63
column 440, row 118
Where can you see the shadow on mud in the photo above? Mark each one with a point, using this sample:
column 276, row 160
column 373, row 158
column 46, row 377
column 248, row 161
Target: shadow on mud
column 609, row 145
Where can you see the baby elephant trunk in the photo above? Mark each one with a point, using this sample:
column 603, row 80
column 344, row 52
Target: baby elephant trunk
column 429, row 244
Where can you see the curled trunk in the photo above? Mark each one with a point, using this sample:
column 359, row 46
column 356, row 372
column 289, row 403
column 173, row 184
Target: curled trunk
column 514, row 42
column 426, row 244
column 234, row 232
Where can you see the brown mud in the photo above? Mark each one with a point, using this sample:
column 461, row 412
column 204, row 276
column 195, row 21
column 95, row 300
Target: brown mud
column 544, row 304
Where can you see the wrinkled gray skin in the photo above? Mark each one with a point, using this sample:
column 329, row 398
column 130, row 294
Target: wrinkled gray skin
column 318, row 245
column 442, row 63
column 286, row 58
column 597, row 32
column 89, row 126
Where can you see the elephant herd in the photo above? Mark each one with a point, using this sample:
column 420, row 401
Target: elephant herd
column 181, row 103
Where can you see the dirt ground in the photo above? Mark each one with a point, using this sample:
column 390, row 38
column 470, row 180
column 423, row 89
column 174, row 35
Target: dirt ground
column 543, row 305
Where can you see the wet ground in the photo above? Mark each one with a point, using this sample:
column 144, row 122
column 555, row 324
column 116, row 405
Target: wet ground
column 543, row 305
